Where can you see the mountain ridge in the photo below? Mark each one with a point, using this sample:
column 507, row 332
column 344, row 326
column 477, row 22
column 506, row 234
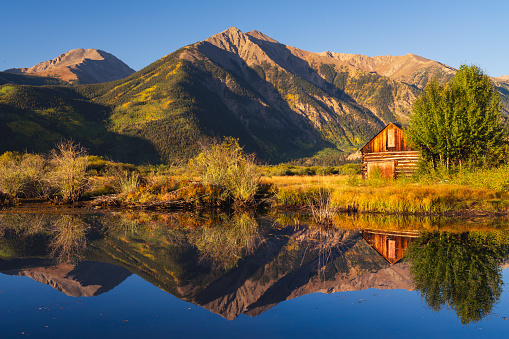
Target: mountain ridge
column 280, row 101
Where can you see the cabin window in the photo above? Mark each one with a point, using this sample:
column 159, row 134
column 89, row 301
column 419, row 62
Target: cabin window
column 391, row 138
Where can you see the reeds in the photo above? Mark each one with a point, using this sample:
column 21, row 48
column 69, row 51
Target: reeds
column 127, row 182
column 320, row 204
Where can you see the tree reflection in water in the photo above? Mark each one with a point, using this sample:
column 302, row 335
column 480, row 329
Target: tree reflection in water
column 233, row 264
column 459, row 271
column 60, row 236
column 68, row 238
column 229, row 240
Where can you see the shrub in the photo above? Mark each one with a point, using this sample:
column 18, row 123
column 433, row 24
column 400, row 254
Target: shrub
column 350, row 169
column 281, row 170
column 227, row 166
column 70, row 170
column 22, row 175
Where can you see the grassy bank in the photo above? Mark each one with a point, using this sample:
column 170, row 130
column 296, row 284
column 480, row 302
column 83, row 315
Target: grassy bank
column 484, row 190
column 222, row 176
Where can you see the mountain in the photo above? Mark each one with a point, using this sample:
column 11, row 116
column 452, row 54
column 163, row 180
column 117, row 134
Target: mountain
column 86, row 66
column 35, row 118
column 280, row 101
column 85, row 279
column 289, row 263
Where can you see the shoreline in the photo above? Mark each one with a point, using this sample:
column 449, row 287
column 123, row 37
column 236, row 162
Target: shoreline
column 39, row 206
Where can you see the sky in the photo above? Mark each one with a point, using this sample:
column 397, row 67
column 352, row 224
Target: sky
column 141, row 32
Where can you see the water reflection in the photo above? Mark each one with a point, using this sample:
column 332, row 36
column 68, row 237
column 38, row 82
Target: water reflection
column 68, row 239
column 231, row 239
column 84, row 279
column 59, row 236
column 460, row 271
column 246, row 264
column 392, row 245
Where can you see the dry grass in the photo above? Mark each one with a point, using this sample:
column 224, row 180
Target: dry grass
column 415, row 198
column 70, row 170
column 308, row 180
column 401, row 196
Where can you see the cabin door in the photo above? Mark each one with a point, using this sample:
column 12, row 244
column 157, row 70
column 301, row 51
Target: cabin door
column 387, row 169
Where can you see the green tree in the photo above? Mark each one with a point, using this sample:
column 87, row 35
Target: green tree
column 459, row 122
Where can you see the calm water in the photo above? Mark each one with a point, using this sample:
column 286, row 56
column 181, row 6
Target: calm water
column 159, row 275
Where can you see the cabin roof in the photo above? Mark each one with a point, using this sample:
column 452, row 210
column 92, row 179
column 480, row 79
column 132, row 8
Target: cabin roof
column 399, row 126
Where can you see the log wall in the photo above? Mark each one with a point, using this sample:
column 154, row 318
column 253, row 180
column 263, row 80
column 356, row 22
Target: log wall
column 389, row 150
column 405, row 163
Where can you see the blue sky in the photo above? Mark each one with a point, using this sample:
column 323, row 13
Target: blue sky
column 140, row 32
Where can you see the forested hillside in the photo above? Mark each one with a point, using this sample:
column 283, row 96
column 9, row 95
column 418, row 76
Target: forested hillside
column 34, row 118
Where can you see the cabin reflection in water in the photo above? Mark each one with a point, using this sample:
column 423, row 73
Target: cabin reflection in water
column 391, row 245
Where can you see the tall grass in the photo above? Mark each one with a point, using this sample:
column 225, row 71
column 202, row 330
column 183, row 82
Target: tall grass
column 320, row 204
column 127, row 182
column 478, row 189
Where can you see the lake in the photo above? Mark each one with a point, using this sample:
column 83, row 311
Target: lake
column 135, row 274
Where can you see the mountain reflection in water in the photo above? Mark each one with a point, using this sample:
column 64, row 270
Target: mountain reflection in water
column 242, row 264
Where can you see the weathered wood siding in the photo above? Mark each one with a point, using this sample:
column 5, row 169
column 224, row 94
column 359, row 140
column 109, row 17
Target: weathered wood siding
column 405, row 163
column 391, row 245
column 389, row 146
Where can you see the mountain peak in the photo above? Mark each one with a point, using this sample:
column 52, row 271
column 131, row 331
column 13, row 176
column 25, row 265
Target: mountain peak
column 237, row 33
column 233, row 30
column 80, row 64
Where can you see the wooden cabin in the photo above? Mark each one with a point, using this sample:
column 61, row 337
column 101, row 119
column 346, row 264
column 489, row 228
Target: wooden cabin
column 389, row 152
column 392, row 245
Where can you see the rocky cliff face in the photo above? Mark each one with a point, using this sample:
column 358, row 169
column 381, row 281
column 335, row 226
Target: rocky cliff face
column 334, row 91
column 87, row 66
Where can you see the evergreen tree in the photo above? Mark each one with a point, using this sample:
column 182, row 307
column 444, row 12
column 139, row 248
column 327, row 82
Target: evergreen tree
column 459, row 122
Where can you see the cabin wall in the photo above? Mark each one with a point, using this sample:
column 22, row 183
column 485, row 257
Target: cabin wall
column 391, row 135
column 404, row 163
column 390, row 152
